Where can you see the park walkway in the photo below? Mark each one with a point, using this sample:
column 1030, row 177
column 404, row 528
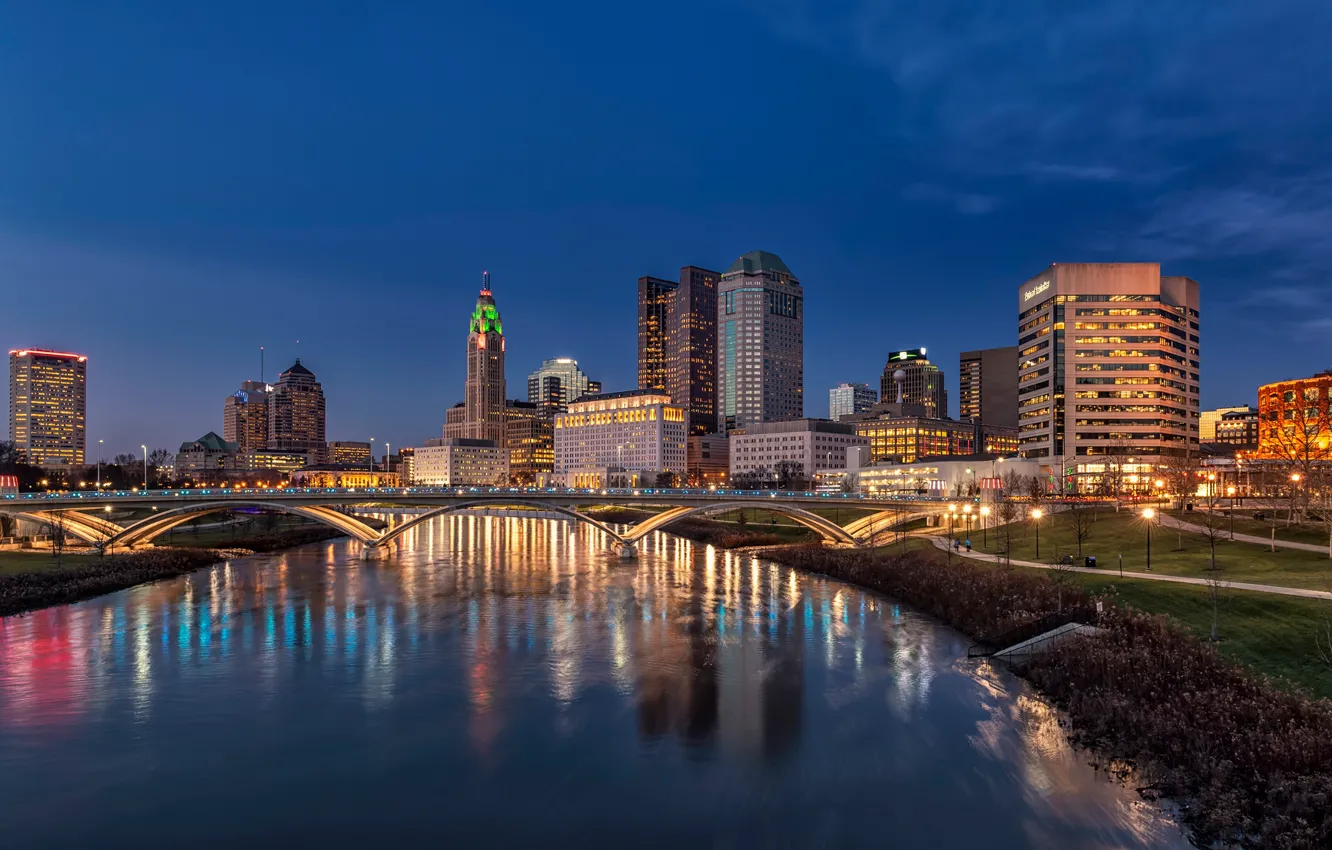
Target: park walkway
column 1168, row 521
column 941, row 543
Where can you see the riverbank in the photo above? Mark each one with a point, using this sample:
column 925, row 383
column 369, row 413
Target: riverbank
column 32, row 580
column 1252, row 760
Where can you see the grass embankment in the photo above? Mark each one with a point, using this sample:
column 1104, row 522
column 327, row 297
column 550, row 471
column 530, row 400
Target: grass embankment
column 1253, row 759
column 33, row 579
column 1173, row 552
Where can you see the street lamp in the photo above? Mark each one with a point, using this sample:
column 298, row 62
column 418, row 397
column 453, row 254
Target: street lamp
column 985, row 524
column 1230, row 494
column 1148, row 514
column 371, row 469
column 1036, row 517
column 966, row 511
column 952, row 515
column 145, row 466
column 99, row 466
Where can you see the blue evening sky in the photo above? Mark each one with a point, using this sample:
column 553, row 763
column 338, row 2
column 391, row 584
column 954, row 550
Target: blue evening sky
column 184, row 182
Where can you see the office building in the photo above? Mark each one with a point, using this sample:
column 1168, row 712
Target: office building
column 910, row 378
column 636, row 431
column 1108, row 365
column 804, row 447
column 460, row 463
column 245, row 416
column 348, row 452
column 1293, row 420
column 707, row 460
column 655, row 339
column 48, row 406
column 530, row 437
column 484, row 397
column 1238, row 430
column 403, row 463
column 1208, row 420
column 847, row 399
column 271, row 464
column 987, row 386
column 903, row 433
column 455, row 420
column 760, row 343
column 296, row 413
column 557, row 382
column 677, row 342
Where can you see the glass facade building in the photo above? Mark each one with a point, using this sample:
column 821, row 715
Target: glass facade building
column 850, row 399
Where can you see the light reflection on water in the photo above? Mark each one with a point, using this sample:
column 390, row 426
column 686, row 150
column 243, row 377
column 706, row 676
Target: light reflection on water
column 507, row 681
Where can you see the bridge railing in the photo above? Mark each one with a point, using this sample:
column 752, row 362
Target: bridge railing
column 397, row 493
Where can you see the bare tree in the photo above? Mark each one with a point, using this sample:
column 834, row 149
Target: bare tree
column 1079, row 518
column 1321, row 486
column 1035, row 489
column 58, row 524
column 1014, row 483
column 1292, row 436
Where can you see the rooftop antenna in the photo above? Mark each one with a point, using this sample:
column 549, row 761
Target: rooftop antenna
column 261, row 364
column 485, row 282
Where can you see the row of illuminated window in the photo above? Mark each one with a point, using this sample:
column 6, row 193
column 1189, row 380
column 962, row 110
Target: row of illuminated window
column 1191, row 402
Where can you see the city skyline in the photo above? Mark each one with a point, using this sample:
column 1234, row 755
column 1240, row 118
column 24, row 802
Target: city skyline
column 144, row 214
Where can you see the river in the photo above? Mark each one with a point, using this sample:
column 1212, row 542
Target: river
column 506, row 682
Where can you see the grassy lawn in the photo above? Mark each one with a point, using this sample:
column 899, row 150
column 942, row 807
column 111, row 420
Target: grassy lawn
column 1173, row 553
column 1314, row 533
column 1274, row 635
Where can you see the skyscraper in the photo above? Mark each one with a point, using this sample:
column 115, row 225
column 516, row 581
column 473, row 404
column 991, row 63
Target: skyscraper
column 922, row 382
column 677, row 342
column 555, row 383
column 245, row 417
column 987, row 386
column 484, row 393
column 655, row 337
column 1108, row 365
column 846, row 399
column 692, row 380
column 760, row 342
column 296, row 413
column 48, row 405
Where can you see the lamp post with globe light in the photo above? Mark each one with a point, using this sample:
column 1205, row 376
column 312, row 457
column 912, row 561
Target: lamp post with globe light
column 1148, row 514
column 1036, row 520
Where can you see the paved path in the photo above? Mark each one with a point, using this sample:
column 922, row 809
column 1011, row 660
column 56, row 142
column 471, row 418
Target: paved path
column 941, row 543
column 1170, row 522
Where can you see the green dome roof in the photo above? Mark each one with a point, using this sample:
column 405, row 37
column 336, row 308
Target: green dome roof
column 759, row 261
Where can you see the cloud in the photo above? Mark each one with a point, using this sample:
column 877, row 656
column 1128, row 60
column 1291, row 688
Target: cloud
column 967, row 203
column 1126, row 85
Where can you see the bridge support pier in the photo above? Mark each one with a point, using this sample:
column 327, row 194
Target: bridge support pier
column 628, row 551
column 372, row 552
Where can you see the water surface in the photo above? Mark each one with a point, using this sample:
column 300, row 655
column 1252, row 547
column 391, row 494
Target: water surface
column 508, row 682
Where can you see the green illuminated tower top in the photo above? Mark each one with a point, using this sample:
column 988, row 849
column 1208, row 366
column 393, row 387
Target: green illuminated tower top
column 485, row 316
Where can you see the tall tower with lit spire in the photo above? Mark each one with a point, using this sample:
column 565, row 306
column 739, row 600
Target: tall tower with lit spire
column 484, row 398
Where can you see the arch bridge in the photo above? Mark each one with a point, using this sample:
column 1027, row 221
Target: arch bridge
column 81, row 515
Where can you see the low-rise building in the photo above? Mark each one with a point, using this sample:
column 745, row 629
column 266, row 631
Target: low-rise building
column 902, row 433
column 281, row 461
column 949, row 477
column 343, row 475
column 795, row 449
column 348, row 451
column 1236, row 430
column 207, row 459
column 460, row 462
column 707, row 460
column 636, row 431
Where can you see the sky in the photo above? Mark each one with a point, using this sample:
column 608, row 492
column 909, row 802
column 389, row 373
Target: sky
column 183, row 183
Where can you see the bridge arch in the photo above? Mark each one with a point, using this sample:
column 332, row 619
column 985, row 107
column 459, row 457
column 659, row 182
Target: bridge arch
column 883, row 521
column 394, row 534
column 826, row 528
column 87, row 527
column 147, row 529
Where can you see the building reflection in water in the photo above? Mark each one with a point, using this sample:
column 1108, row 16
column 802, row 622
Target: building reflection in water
column 509, row 628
